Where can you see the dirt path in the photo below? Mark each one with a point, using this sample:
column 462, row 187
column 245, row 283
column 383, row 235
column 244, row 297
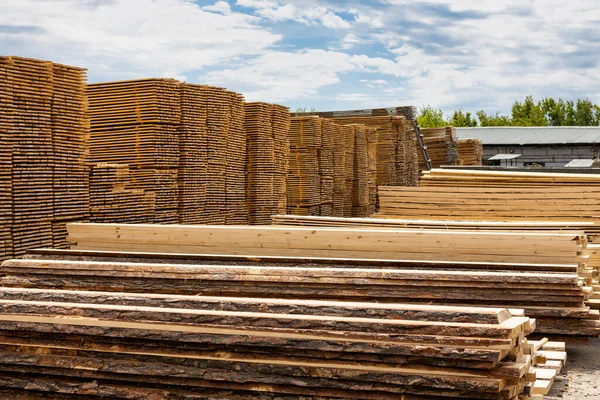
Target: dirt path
column 581, row 378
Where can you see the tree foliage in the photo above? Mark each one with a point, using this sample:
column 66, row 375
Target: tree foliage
column 431, row 118
column 462, row 119
column 546, row 112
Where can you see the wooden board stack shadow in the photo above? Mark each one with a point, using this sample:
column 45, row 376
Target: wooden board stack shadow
column 45, row 126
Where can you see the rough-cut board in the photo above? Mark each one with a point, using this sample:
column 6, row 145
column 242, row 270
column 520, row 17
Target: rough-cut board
column 552, row 294
column 259, row 347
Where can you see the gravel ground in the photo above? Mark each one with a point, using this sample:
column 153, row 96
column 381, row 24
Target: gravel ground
column 581, row 377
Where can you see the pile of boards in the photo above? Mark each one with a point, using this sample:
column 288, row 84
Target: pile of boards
column 547, row 274
column 470, row 152
column 44, row 132
column 163, row 340
column 397, row 160
column 497, row 196
column 267, row 127
column 184, row 143
column 442, row 147
column 330, row 168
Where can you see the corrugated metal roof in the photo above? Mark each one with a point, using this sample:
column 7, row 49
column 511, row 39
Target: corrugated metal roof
column 513, row 135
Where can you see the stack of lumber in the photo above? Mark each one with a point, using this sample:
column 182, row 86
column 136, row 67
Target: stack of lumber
column 341, row 195
column 70, row 148
column 326, row 172
column 349, row 172
column 128, row 345
column 226, row 169
column 396, row 147
column 470, row 152
column 280, row 122
column 44, row 177
column 551, row 266
column 135, row 123
column 441, row 145
column 551, row 293
column 114, row 201
column 267, row 147
column 303, row 180
column 360, row 181
column 536, row 203
column 372, row 138
column 193, row 156
column 5, row 192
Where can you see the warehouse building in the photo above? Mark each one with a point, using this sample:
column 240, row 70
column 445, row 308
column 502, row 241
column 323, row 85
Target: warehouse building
column 543, row 146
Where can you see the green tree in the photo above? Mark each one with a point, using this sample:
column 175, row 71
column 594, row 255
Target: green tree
column 302, row 110
column 493, row 119
column 461, row 119
column 431, row 118
column 528, row 113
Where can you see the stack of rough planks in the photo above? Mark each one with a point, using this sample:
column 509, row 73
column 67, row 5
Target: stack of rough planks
column 329, row 171
column 44, row 131
column 267, row 127
column 163, row 340
column 184, row 143
column 544, row 273
column 442, row 147
column 470, row 152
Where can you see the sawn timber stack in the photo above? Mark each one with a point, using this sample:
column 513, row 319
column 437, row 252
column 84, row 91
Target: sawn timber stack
column 123, row 345
column 554, row 294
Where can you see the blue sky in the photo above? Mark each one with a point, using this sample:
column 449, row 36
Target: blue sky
column 326, row 54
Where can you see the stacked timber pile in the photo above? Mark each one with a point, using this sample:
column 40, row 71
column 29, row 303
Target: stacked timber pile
column 125, row 345
column 185, row 143
column 326, row 170
column 360, row 179
column 135, row 123
column 396, row 148
column 552, row 267
column 372, row 139
column 5, row 192
column 44, row 121
column 114, row 201
column 267, row 128
column 470, row 152
column 193, row 156
column 491, row 203
column 303, row 180
column 341, row 195
column 441, row 145
column 226, row 170
column 349, row 169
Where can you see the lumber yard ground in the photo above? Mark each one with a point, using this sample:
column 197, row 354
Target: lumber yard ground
column 581, row 377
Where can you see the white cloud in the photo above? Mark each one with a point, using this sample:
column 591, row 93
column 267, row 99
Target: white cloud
column 308, row 14
column 278, row 76
column 126, row 37
column 219, row 6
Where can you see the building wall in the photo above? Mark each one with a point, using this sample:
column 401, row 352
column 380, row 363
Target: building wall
column 551, row 156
